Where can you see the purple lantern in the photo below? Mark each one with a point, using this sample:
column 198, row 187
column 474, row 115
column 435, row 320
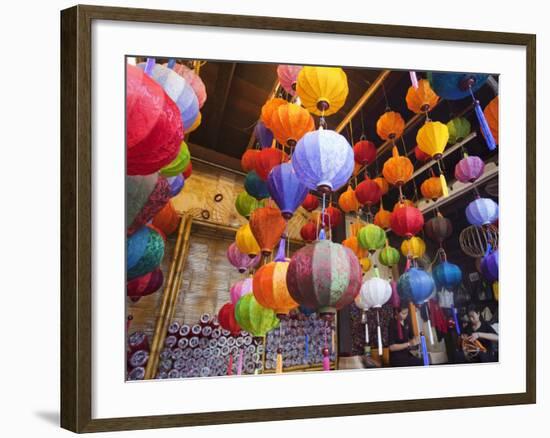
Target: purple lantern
column 286, row 189
column 241, row 261
column 489, row 266
column 263, row 135
column 482, row 211
column 176, row 184
column 469, row 169
column 240, row 288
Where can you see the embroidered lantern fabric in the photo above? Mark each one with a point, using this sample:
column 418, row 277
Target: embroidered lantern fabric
column 176, row 184
column 144, row 252
column 491, row 115
column 194, row 80
column 397, row 170
column 286, row 189
column 288, row 76
column 422, row 98
column 482, row 211
column 267, row 226
column 270, row 290
column 459, row 128
column 155, row 202
column 431, row 188
column 438, row 228
column 255, row 187
column 447, row 275
column 311, row 202
column 167, row 219
column 290, row 122
column 246, row 204
column 308, row 232
column 248, row 159
column 145, row 284
column 138, row 191
column 241, row 288
column 348, row 201
column 253, row 317
column 268, row 108
column 469, row 169
column 226, row 318
column 240, row 260
column 413, row 248
column 368, row 192
column 246, row 242
column 322, row 90
column 371, row 237
column 453, row 86
column 364, row 152
column 406, row 221
column 415, row 285
column 179, row 163
column 264, row 136
column 390, row 125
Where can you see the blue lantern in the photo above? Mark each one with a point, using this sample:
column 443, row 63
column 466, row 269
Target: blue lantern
column 255, row 186
column 286, row 189
column 455, row 86
column 447, row 275
column 176, row 184
column 306, row 311
column 144, row 252
column 482, row 211
column 263, row 135
column 489, row 266
column 415, row 285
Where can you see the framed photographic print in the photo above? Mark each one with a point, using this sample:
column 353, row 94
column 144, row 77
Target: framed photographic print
column 268, row 218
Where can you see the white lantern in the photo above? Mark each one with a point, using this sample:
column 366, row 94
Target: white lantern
column 375, row 292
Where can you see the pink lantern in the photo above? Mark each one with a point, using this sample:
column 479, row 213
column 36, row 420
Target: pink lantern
column 288, row 75
column 194, row 80
column 240, row 288
column 241, row 261
column 469, row 169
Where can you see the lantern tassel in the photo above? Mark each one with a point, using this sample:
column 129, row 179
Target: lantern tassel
column 379, row 334
column 444, row 188
column 455, row 316
column 414, row 79
column 306, row 353
column 280, row 257
column 240, row 363
column 148, row 70
column 489, row 139
column 366, row 332
column 424, row 351
column 429, row 322
column 326, row 361
column 279, row 366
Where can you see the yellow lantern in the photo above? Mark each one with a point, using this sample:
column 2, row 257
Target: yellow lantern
column 348, row 202
column 390, row 125
column 195, row 124
column 431, row 188
column 246, row 242
column 413, row 247
column 322, row 90
column 432, row 139
column 365, row 264
column 422, row 98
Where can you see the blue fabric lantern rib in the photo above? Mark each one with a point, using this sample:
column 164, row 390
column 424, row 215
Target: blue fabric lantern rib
column 176, row 184
column 447, row 275
column 489, row 266
column 286, row 189
column 144, row 252
column 255, row 186
column 450, row 86
column 415, row 285
column 263, row 135
column 482, row 211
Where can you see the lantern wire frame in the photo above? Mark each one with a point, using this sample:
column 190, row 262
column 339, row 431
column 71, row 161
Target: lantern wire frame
column 476, row 241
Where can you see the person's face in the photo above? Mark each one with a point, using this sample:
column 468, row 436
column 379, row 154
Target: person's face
column 403, row 314
column 473, row 317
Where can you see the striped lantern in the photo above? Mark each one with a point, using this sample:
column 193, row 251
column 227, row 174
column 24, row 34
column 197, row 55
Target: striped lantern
column 382, row 218
column 368, row 192
column 390, row 126
column 267, row 226
column 364, row 152
column 286, row 189
column 406, row 221
column 270, row 289
column 268, row 108
column 422, row 98
column 322, row 90
column 389, row 256
column 290, row 122
column 194, row 80
column 413, row 248
column 348, row 201
column 246, row 242
column 157, row 199
column 246, row 204
column 179, row 163
column 469, row 169
column 167, row 219
column 145, row 284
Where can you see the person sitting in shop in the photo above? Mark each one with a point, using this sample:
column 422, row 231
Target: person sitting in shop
column 479, row 340
column 402, row 341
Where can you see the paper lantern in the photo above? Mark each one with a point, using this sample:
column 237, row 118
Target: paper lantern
column 334, row 215
column 176, row 184
column 179, row 163
column 364, row 152
column 368, row 192
column 145, row 285
column 263, row 135
column 406, row 221
column 382, row 218
column 253, row 317
column 323, row 160
column 154, row 129
column 365, row 264
column 270, row 290
column 390, row 125
column 432, row 138
column 420, row 155
column 290, row 123
column 371, row 237
column 415, row 285
column 268, row 108
column 267, row 159
column 226, row 318
column 447, row 275
column 469, row 169
column 255, row 187
column 288, row 76
column 267, row 226
column 353, row 243
column 413, row 248
column 438, row 228
column 491, row 115
column 383, row 184
column 240, row 260
column 455, row 86
column 398, row 169
column 348, row 201
column 194, row 80
column 157, row 199
column 248, row 159
column 188, row 170
column 489, row 266
column 246, row 204
column 422, row 98
column 246, row 242
column 482, row 211
column 375, row 292
column 286, row 189
column 324, row 276
column 144, row 252
column 459, row 128
column 311, row 202
column 167, row 219
column 389, row 256
column 322, row 90
column 241, row 288
column 308, row 232
column 431, row 188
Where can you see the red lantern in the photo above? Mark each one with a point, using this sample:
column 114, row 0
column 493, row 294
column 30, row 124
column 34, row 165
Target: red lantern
column 421, row 155
column 226, row 318
column 334, row 216
column 248, row 160
column 267, row 159
column 167, row 219
column 406, row 221
column 364, row 152
column 188, row 170
column 309, row 232
column 311, row 202
column 368, row 192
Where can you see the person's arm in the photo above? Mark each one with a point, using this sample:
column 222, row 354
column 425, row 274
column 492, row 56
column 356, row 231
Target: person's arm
column 398, row 347
column 483, row 335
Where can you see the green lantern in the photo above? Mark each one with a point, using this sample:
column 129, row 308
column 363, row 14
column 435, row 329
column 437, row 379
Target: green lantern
column 389, row 256
column 179, row 163
column 371, row 237
column 459, row 128
column 246, row 204
column 254, row 318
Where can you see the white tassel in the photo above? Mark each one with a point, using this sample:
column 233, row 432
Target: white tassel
column 380, row 352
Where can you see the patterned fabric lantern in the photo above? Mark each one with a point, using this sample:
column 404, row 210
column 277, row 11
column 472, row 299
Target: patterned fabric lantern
column 179, row 163
column 154, row 129
column 382, row 218
column 309, row 232
column 406, row 221
column 371, row 237
column 368, row 192
column 194, row 80
column 324, row 276
column 383, row 184
column 270, row 288
column 334, row 215
column 421, row 99
column 157, row 199
column 267, row 159
column 290, row 123
column 253, row 317
column 489, row 266
column 241, row 288
column 447, row 275
column 286, row 189
column 323, row 160
column 482, row 211
column 240, row 260
column 432, row 138
column 415, row 285
column 420, row 155
column 226, row 318
column 491, row 115
column 246, row 204
column 348, row 201
column 459, row 128
column 311, row 202
column 431, row 188
column 246, row 242
column 145, row 285
column 364, row 152
column 438, row 228
column 267, row 226
column 469, row 169
column 455, row 86
column 248, row 159
column 397, row 170
column 390, row 126
column 176, row 184
column 138, row 191
column 413, row 248
column 167, row 219
column 389, row 256
column 188, row 170
column 263, row 135
column 144, row 252
column 322, row 90
column 268, row 108
column 255, row 187
column 288, row 76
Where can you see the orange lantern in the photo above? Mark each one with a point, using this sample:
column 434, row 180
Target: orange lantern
column 267, row 159
column 248, row 160
column 383, row 184
column 403, row 203
column 390, row 125
column 347, row 201
column 269, row 288
column 167, row 219
column 290, row 122
column 491, row 115
column 431, row 188
column 382, row 218
column 356, row 226
column 397, row 170
column 267, row 225
column 268, row 108
column 421, row 99
column 353, row 243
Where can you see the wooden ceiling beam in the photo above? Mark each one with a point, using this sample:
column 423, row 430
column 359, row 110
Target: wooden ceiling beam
column 220, row 96
column 215, row 158
column 272, row 93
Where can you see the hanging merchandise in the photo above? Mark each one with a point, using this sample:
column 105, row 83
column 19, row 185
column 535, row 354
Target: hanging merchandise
column 188, row 170
column 311, row 202
column 240, row 260
column 255, row 187
column 226, row 318
column 422, row 98
column 469, row 169
column 420, row 155
column 289, row 123
column 138, row 191
column 286, row 189
column 267, row 226
column 322, row 90
column 144, row 252
column 136, row 187
column 267, row 159
column 383, row 184
column 368, row 192
column 491, row 115
column 254, row 318
column 288, row 76
column 382, row 218
column 431, row 188
column 455, row 86
column 371, row 237
column 167, row 219
column 476, row 241
column 353, row 243
column 335, row 216
column 406, row 221
column 459, row 128
column 246, row 204
column 263, row 135
column 248, row 159
column 375, row 292
column 413, row 248
column 364, row 152
column 482, row 211
column 176, row 185
column 240, row 288
column 403, row 203
column 390, row 126
column 193, row 79
column 389, row 256
column 145, row 284
column 447, row 275
column 397, row 170
column 179, row 163
column 432, row 139
column 308, row 232
column 348, row 201
column 438, row 228
column 415, row 285
column 365, row 264
column 268, row 108
column 246, row 242
column 489, row 266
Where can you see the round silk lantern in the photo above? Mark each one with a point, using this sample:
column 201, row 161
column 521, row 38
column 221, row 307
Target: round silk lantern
column 240, row 288
column 324, row 276
column 263, row 135
column 403, row 203
column 176, row 184
column 144, row 252
column 253, row 317
column 268, row 108
column 288, row 76
column 413, row 248
column 431, row 188
column 383, row 218
column 267, row 159
column 246, row 242
column 145, row 285
column 246, row 204
column 469, row 169
column 447, row 275
column 422, row 98
column 482, row 211
column 323, row 160
column 390, row 125
column 286, row 189
column 255, row 187
column 188, row 170
column 167, row 219
column 267, row 226
column 368, row 192
column 406, row 221
column 348, row 201
column 459, row 128
column 398, row 169
column 438, row 228
column 194, row 80
column 389, row 256
column 290, row 122
column 415, row 285
column 371, row 237
column 311, row 202
column 308, row 232
column 248, row 159
column 364, row 152
column 489, row 266
column 154, row 129
column 375, row 292
column 455, row 86
column 334, row 215
column 226, row 318
column 491, row 115
column 240, row 260
column 432, row 138
column 157, row 199
column 420, row 155
column 179, row 163
column 270, row 290
column 322, row 90
column 383, row 184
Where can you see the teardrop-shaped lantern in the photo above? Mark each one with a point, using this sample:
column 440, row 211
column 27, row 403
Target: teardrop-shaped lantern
column 268, row 108
column 491, row 115
column 389, row 256
column 371, row 237
column 179, row 163
column 322, row 90
column 270, row 290
column 469, row 169
column 255, row 187
column 240, row 260
column 431, row 188
column 390, row 125
column 413, row 248
column 288, row 76
column 353, row 243
column 267, row 159
column 432, row 138
column 382, row 218
column 246, row 242
column 438, row 228
column 286, row 189
column 253, row 317
column 482, row 211
column 267, row 226
column 248, row 159
column 422, row 98
column 368, row 192
column 406, row 221
column 311, row 202
column 398, row 169
column 415, row 285
column 348, row 201
column 308, row 232
column 290, row 123
column 263, row 135
column 364, row 152
column 447, row 275
column 459, row 128
column 246, row 204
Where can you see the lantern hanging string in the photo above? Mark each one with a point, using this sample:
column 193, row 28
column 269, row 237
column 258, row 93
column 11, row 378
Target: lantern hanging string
column 388, row 108
column 363, row 135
